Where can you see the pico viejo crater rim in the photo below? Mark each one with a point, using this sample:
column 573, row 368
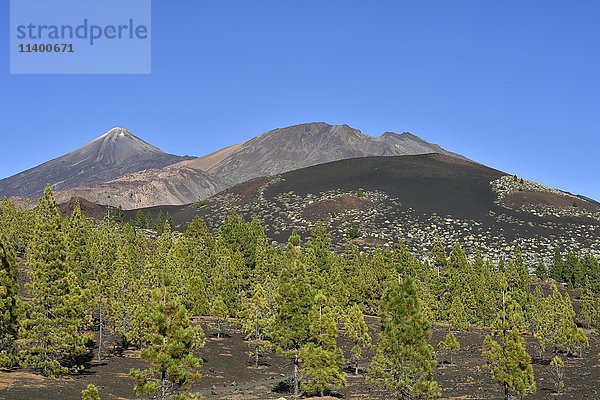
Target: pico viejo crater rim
column 80, row 37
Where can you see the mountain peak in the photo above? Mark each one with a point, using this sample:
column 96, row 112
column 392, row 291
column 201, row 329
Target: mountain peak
column 118, row 131
column 303, row 145
column 403, row 135
column 115, row 153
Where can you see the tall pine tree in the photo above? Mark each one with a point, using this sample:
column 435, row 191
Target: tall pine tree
column 53, row 328
column 404, row 360
column 357, row 331
column 322, row 361
column 291, row 325
column 172, row 341
column 504, row 348
column 9, row 302
column 256, row 318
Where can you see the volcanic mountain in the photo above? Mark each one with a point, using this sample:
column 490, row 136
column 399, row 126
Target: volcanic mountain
column 377, row 200
column 273, row 152
column 110, row 156
column 286, row 149
column 119, row 169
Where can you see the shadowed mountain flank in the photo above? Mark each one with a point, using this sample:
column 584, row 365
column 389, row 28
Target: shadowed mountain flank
column 377, row 200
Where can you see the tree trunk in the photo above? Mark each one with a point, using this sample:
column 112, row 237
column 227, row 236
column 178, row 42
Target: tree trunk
column 163, row 386
column 356, row 368
column 296, row 376
column 100, row 334
column 256, row 356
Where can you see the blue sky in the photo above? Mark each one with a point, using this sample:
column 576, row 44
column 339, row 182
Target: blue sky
column 514, row 85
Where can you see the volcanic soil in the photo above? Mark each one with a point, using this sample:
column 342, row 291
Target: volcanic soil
column 228, row 373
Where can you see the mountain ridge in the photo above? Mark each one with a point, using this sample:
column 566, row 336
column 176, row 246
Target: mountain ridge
column 124, row 170
column 109, row 156
column 284, row 149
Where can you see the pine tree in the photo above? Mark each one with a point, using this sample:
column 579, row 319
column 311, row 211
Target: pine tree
column 53, row 328
column 9, row 302
column 219, row 310
column 449, row 344
column 430, row 306
column 591, row 267
column 353, row 232
column 239, row 236
column 482, row 290
column 141, row 221
column 294, row 299
column 16, row 224
column 566, row 336
column 541, row 320
column 325, row 272
column 541, row 271
column 91, row 392
column 372, row 278
column 322, row 361
column 265, row 268
column 558, row 373
column 574, row 270
column 256, row 319
column 145, row 279
column 170, row 349
column 164, row 219
column 404, row 361
column 357, row 331
column 123, row 283
column 79, row 236
column 78, row 232
column 438, row 253
column 228, row 277
column 557, row 269
column 457, row 280
column 357, row 276
column 190, row 264
column 504, row 348
column 518, row 280
column 588, row 313
column 458, row 316
column 554, row 323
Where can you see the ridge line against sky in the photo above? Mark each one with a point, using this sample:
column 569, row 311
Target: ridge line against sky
column 510, row 85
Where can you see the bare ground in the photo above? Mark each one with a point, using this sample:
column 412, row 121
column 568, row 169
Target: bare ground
column 228, row 373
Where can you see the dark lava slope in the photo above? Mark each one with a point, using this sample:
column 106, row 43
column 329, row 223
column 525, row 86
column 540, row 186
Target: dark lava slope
column 412, row 197
column 431, row 182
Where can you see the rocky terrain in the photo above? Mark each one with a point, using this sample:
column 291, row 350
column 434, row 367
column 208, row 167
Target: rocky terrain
column 110, row 156
column 304, row 145
column 228, row 374
column 121, row 170
column 412, row 197
column 169, row 185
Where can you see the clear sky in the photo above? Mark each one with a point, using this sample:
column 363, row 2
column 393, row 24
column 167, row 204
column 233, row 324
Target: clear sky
column 511, row 84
